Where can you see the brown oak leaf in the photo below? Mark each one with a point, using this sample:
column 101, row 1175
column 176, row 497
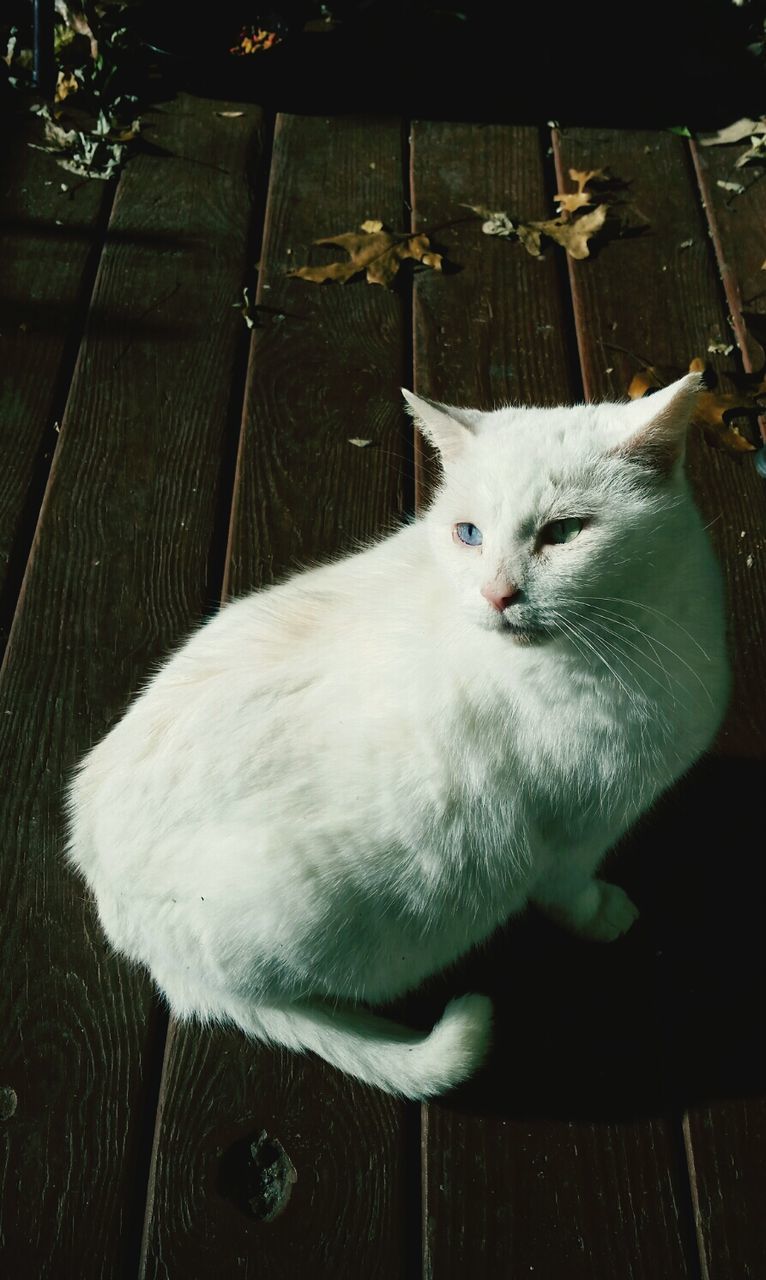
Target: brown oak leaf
column 377, row 252
column 711, row 408
column 572, row 233
column 571, row 201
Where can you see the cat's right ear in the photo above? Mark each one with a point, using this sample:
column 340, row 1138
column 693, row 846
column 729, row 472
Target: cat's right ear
column 447, row 429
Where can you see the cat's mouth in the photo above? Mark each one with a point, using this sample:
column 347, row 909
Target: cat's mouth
column 523, row 632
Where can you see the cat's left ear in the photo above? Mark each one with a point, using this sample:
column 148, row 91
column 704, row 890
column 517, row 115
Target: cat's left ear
column 659, row 424
column 445, row 427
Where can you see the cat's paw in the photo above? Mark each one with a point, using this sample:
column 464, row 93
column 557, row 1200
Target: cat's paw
column 613, row 916
column 601, row 912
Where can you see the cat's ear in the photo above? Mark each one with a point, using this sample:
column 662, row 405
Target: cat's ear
column 659, row 424
column 445, row 427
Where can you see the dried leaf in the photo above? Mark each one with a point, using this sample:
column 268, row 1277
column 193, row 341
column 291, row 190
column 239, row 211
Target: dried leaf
column 377, row 252
column 531, row 238
column 253, row 39
column 65, row 85
column 246, row 307
column 711, row 409
column 10, row 48
column 736, row 187
column 644, row 381
column 496, row 222
column 77, row 22
column 734, row 133
column 571, row 201
column 755, row 152
column 98, row 154
column 583, row 176
column 572, row 233
column 575, row 233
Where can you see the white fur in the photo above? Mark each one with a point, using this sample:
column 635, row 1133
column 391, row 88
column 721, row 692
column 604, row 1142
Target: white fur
column 339, row 785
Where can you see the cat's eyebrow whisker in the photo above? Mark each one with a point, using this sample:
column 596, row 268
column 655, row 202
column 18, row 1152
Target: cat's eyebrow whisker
column 424, row 463
column 655, row 641
column 649, row 608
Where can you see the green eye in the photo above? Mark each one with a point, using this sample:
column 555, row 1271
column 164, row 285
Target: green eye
column 559, row 531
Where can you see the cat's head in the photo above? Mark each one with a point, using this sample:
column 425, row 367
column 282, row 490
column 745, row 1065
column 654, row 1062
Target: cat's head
column 541, row 510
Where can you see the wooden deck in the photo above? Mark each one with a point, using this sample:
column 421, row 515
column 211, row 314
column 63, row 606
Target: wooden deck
column 156, row 456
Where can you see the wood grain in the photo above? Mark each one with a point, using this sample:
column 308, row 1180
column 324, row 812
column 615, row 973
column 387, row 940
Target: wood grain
column 118, row 572
column 326, row 364
column 50, row 243
column 736, row 223
column 559, row 1159
column 725, row 1135
column 657, row 296
column 708, row 921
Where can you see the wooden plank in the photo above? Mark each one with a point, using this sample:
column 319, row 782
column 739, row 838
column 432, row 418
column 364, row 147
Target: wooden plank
column 121, row 566
column 50, row 243
column 519, row 1177
column 726, row 1148
column 707, row 929
column 657, row 296
column 726, row 1137
column 325, row 365
column 736, row 224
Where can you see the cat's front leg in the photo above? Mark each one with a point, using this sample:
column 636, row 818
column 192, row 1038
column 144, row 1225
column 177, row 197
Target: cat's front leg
column 589, row 907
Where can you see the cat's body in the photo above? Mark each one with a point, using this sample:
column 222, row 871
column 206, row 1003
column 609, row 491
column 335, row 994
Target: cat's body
column 341, row 784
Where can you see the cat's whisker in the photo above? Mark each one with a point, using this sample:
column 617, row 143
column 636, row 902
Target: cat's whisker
column 620, row 655
column 654, row 657
column 655, row 640
column 650, row 609
column 603, row 627
column 572, row 629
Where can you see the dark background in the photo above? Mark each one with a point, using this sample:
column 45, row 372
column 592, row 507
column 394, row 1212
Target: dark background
column 650, row 64
column 588, row 61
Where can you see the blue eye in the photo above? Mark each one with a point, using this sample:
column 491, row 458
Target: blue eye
column 469, row 534
column 559, row 531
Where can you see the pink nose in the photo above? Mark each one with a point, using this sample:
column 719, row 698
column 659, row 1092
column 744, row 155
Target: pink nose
column 500, row 595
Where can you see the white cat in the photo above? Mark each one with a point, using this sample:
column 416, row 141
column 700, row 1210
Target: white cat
column 339, row 785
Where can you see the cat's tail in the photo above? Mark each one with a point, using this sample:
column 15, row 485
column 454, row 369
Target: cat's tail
column 376, row 1050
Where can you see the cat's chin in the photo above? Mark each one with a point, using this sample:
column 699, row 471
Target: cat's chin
column 521, row 634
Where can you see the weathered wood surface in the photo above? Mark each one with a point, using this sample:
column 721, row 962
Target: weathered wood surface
column 617, row 1130
column 736, row 225
column 519, row 1178
column 50, row 243
column 726, row 1140
column 707, row 919
column 326, row 364
column 124, row 561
